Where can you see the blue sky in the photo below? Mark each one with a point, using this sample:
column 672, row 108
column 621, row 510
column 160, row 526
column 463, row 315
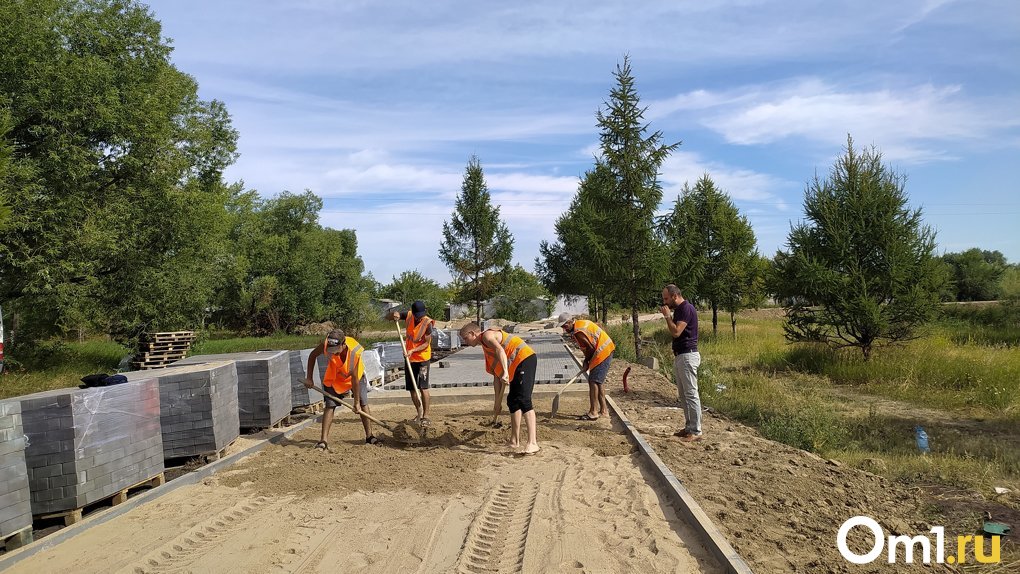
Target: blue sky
column 377, row 106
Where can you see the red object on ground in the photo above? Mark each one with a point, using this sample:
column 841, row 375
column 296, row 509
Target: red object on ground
column 625, row 373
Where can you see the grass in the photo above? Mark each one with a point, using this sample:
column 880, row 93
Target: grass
column 59, row 364
column 965, row 393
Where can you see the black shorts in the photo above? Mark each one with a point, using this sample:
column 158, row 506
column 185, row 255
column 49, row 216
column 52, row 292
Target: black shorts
column 421, row 376
column 522, row 385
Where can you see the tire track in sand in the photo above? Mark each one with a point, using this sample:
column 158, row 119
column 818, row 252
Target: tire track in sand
column 199, row 540
column 497, row 537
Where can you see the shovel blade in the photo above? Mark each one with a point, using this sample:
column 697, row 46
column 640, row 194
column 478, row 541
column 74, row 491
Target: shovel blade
column 555, row 405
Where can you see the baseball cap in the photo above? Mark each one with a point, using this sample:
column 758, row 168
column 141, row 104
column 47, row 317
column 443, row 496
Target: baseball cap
column 563, row 318
column 418, row 308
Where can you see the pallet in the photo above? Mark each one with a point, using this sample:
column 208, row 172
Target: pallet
column 74, row 515
column 161, row 355
column 312, row 409
column 163, row 348
column 17, row 539
column 168, row 336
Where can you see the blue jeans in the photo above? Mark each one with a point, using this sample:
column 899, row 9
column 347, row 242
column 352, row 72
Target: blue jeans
column 685, row 369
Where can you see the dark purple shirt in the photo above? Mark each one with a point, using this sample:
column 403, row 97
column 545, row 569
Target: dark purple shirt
column 688, row 339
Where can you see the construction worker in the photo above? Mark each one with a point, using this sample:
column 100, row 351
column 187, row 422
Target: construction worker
column 418, row 346
column 598, row 351
column 345, row 372
column 512, row 363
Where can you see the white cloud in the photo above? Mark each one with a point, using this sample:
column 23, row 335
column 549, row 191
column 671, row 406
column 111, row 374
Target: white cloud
column 914, row 124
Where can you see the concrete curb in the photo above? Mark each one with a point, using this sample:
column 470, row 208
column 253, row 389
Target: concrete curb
column 12, row 558
column 688, row 508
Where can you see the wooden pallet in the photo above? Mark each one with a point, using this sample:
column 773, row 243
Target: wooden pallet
column 168, row 336
column 74, row 515
column 161, row 355
column 312, row 409
column 154, row 347
column 18, row 539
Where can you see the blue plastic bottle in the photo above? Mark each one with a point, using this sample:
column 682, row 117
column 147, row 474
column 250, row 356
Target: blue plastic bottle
column 922, row 439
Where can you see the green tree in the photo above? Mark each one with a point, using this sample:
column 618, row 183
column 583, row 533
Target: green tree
column 410, row 286
column 476, row 243
column 117, row 217
column 637, row 260
column 518, row 292
column 860, row 272
column 712, row 250
column 285, row 269
column 578, row 262
column 976, row 274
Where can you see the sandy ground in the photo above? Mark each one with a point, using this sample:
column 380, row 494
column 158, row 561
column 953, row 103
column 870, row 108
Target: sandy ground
column 454, row 502
column 779, row 507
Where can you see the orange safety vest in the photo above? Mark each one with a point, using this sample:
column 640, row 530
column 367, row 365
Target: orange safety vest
column 338, row 372
column 588, row 334
column 416, row 336
column 516, row 351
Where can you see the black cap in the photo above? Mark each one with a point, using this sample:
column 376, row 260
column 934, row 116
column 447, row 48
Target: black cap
column 418, row 308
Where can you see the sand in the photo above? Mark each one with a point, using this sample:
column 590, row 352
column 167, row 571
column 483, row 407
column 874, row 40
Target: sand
column 455, row 502
column 780, row 507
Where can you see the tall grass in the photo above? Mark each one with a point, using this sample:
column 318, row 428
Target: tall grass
column 818, row 399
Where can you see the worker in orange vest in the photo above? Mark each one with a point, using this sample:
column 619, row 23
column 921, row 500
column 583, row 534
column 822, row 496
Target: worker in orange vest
column 345, row 372
column 512, row 363
column 598, row 351
column 418, row 345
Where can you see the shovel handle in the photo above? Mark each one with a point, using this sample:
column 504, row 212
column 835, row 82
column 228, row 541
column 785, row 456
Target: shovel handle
column 326, row 393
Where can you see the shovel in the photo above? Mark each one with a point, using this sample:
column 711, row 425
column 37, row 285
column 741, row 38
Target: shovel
column 410, row 372
column 556, row 399
column 326, row 393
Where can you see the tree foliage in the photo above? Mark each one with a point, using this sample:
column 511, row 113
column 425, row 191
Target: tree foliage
column 860, row 272
column 579, row 261
column 636, row 263
column 976, row 274
column 476, row 244
column 712, row 250
column 517, row 294
column 410, row 286
column 117, row 199
column 285, row 269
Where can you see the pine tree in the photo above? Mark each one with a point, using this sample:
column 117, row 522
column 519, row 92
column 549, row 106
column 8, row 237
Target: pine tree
column 861, row 271
column 476, row 243
column 637, row 261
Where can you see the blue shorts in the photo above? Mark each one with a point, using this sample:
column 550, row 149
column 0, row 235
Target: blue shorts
column 599, row 373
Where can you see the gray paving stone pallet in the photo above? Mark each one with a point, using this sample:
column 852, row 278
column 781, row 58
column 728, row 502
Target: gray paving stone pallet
column 198, row 407
column 15, row 495
column 264, row 384
column 85, row 445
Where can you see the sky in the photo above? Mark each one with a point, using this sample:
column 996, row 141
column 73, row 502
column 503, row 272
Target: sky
column 378, row 106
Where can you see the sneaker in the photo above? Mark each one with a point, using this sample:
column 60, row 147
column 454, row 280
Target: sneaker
column 691, row 437
column 681, row 433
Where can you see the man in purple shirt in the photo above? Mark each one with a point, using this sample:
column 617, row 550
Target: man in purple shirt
column 682, row 321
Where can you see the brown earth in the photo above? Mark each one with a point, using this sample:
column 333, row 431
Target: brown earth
column 780, row 507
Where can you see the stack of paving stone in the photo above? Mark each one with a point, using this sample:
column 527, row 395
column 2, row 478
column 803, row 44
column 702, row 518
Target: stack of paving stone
column 86, row 445
column 197, row 407
column 264, row 395
column 391, row 354
column 300, row 395
column 466, row 367
column 15, row 506
column 446, row 340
